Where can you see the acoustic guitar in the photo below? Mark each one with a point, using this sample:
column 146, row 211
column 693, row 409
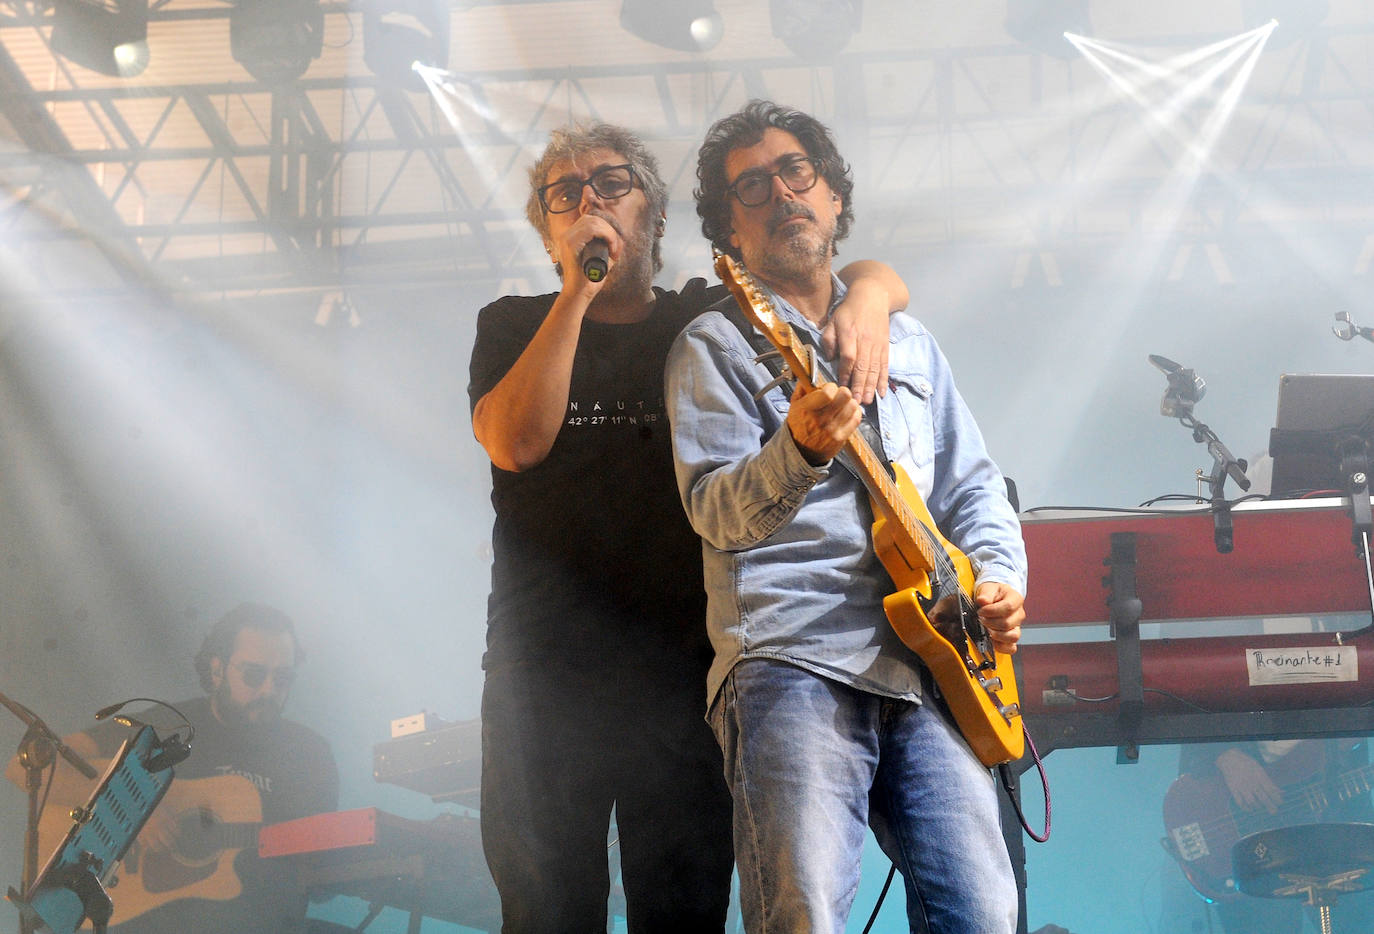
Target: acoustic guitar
column 214, row 819
column 932, row 610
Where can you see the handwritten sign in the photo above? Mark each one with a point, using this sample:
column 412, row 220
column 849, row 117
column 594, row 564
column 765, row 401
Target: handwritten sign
column 1298, row 665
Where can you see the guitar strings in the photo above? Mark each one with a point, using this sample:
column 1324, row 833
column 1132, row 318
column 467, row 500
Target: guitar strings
column 733, row 274
column 1301, row 798
column 943, row 564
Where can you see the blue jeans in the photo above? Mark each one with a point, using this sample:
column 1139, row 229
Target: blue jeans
column 811, row 761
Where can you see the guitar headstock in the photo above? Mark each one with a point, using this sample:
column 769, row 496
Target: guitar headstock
column 758, row 308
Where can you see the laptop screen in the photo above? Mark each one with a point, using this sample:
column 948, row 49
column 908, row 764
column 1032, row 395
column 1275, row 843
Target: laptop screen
column 1316, row 413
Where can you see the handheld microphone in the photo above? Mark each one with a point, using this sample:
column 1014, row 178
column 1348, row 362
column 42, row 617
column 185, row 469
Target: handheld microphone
column 595, row 258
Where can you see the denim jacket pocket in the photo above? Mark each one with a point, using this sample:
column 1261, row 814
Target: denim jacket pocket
column 908, row 423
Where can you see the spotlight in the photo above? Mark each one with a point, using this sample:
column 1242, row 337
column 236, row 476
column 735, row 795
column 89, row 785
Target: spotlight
column 108, row 36
column 1041, row 24
column 1297, row 19
column 275, row 40
column 815, row 29
column 398, row 34
column 686, row 25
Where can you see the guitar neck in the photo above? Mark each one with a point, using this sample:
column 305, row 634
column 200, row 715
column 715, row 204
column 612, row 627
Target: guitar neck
column 915, row 541
column 1316, row 796
column 1357, row 782
column 235, row 836
column 892, row 504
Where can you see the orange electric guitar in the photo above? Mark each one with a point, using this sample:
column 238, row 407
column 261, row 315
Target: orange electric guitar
column 214, row 818
column 933, row 611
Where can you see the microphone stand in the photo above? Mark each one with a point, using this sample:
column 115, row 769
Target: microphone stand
column 36, row 753
column 1224, row 464
column 1354, row 465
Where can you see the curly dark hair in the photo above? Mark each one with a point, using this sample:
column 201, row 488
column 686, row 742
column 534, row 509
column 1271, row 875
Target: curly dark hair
column 219, row 642
column 745, row 128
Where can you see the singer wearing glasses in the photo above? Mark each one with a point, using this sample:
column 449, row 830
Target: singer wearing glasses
column 194, row 865
column 596, row 641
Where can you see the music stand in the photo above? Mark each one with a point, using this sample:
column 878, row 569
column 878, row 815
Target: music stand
column 71, row 886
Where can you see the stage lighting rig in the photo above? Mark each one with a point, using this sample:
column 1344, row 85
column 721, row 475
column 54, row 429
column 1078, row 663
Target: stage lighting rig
column 108, row 36
column 1297, row 19
column 276, row 40
column 399, row 33
column 816, row 29
column 1041, row 24
column 685, row 25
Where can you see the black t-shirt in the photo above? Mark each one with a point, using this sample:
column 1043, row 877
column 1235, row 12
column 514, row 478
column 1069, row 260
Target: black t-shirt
column 235, row 780
column 594, row 562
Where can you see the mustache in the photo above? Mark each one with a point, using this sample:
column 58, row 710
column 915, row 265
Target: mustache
column 615, row 225
column 787, row 210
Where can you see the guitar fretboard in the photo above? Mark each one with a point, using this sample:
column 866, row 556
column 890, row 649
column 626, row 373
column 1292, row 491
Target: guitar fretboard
column 799, row 359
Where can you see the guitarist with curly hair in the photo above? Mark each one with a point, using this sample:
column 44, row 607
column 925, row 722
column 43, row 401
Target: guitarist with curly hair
column 829, row 719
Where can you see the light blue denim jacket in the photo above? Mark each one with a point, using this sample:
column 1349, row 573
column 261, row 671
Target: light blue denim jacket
column 790, row 569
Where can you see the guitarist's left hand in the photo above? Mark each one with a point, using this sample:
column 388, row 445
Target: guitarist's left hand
column 821, row 420
column 1001, row 611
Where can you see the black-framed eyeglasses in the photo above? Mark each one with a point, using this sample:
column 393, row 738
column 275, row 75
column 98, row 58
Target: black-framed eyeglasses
column 611, row 182
column 254, row 675
column 755, row 187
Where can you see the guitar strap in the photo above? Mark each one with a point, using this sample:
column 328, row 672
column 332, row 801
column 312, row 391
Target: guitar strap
column 772, row 360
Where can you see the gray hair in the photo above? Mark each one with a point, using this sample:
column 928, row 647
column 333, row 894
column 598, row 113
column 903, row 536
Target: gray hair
column 568, row 143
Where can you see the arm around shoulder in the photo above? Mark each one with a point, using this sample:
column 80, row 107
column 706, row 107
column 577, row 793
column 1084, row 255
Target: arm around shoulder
column 858, row 333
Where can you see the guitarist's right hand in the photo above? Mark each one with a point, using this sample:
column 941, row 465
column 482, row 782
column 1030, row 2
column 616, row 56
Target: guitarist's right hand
column 159, row 834
column 822, row 420
column 1250, row 785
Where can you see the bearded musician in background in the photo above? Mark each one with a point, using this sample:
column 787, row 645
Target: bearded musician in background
column 194, row 866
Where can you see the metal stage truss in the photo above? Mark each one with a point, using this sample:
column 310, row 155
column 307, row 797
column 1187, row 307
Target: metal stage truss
column 219, row 184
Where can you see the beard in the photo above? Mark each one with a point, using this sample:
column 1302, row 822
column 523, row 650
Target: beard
column 633, row 274
column 802, row 249
column 256, row 714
